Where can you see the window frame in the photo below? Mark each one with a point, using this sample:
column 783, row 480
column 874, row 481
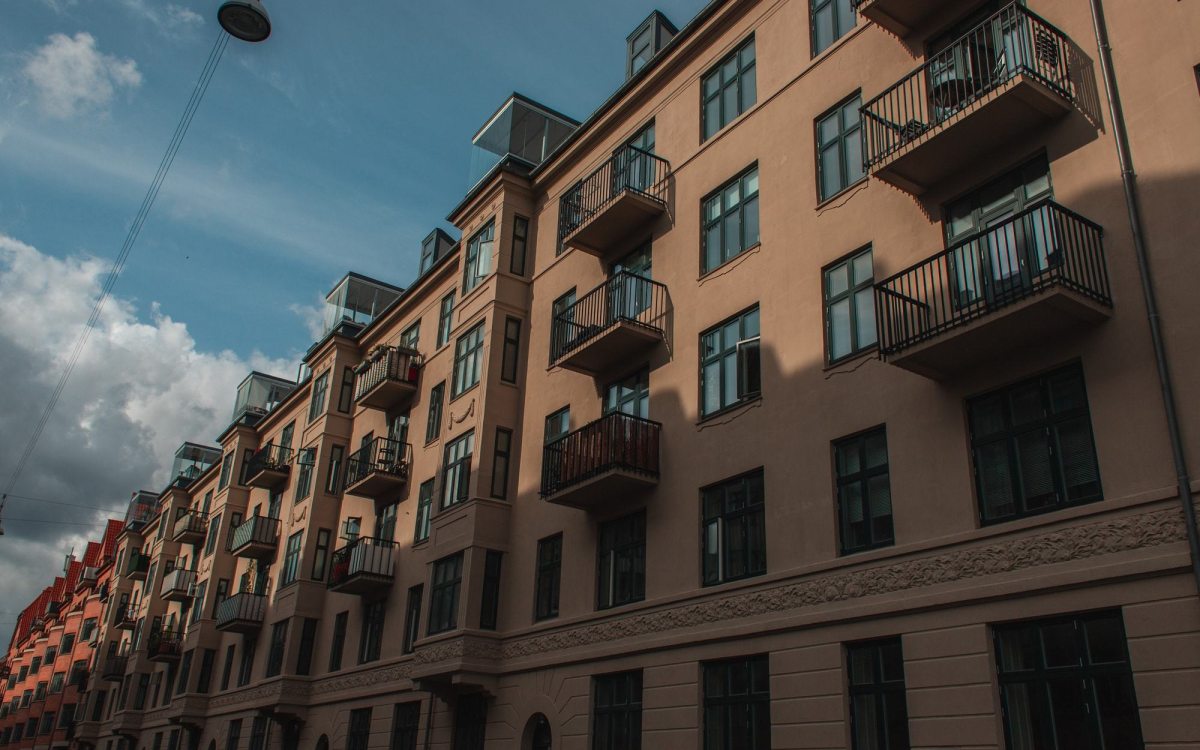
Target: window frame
column 849, row 294
column 726, row 351
column 412, row 618
column 337, row 643
column 863, row 477
column 324, row 541
column 290, row 572
column 489, row 604
column 370, row 641
column 547, row 583
column 456, row 472
column 743, row 70
column 741, row 180
column 728, row 701
column 318, row 395
column 468, row 353
column 346, row 391
column 748, row 510
column 445, row 587
column 844, row 135
column 424, row 515
column 477, row 264
column 812, row 23
column 627, row 714
column 521, row 237
column 511, row 351
column 879, row 689
column 433, row 418
column 607, row 556
column 445, row 320
column 501, row 458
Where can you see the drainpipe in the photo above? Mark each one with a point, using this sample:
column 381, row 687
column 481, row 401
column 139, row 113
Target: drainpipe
column 1129, row 180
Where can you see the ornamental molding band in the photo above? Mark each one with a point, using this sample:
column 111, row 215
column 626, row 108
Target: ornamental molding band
column 394, row 673
column 464, row 647
column 1071, row 543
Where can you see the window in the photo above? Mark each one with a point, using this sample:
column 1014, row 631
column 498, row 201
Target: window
column 433, row 423
column 339, row 641
column 306, row 458
column 39, row 693
column 839, row 148
column 406, row 720
column 245, row 670
column 67, row 643
column 52, row 652
column 489, row 609
column 728, row 90
column 443, row 594
column 562, row 317
column 621, row 564
column 549, row 577
column 1033, row 447
column 730, row 220
column 479, row 257
column 321, row 554
column 291, row 559
column 204, row 680
column 512, row 349
column 228, row 668
column 1066, row 682
column 308, row 640
column 863, row 491
column 468, row 360
column 617, row 711
column 878, row 711
column 88, row 628
column 457, row 474
column 831, row 19
column 234, row 735
column 358, row 734
column 226, row 470
column 470, row 722
column 56, row 682
column 67, row 716
column 734, row 529
column 412, row 617
column 214, row 528
column 630, row 395
column 258, row 733
column 424, row 510
column 520, row 243
column 333, row 478
column 850, row 306
column 371, row 637
column 317, row 403
column 737, row 704
column 558, row 424
column 278, row 646
column 729, row 363
column 198, row 602
column 346, row 392
column 445, row 320
column 47, row 723
column 245, row 467
column 501, row 455
column 235, row 520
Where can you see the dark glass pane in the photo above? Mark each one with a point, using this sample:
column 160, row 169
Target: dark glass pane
column 1060, row 643
column 1105, row 640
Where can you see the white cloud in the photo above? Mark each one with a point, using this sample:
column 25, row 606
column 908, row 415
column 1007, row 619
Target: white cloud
column 140, row 388
column 312, row 315
column 169, row 17
column 71, row 76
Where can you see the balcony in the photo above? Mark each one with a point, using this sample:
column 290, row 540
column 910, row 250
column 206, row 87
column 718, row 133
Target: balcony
column 603, row 461
column 387, row 379
column 137, row 566
column 164, row 647
column 611, row 325
column 997, row 84
column 178, row 585
column 190, row 527
column 365, row 566
column 113, row 668
column 613, row 203
column 379, row 470
column 901, row 17
column 1031, row 278
column 241, row 613
column 88, row 578
column 269, row 466
column 125, row 617
column 256, row 538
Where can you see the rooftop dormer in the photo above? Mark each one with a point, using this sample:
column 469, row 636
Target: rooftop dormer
column 521, row 128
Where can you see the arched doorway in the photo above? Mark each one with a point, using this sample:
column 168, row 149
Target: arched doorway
column 323, row 743
column 537, row 733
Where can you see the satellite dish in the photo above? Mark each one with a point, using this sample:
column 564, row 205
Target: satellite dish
column 245, row 19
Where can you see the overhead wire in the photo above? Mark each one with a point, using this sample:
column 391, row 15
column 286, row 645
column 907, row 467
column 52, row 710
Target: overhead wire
column 135, row 229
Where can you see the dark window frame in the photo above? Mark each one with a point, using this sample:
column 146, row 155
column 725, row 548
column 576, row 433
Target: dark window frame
column 609, row 553
column 501, row 462
column 317, row 398
column 511, row 351
column 474, row 258
column 815, row 7
column 424, row 513
column 337, row 644
column 412, row 618
column 548, row 577
column 445, row 587
column 725, row 214
column 521, row 237
column 445, row 320
column 489, row 604
column 433, row 420
column 749, row 512
column 370, row 641
column 743, row 391
column 346, row 391
column 617, row 711
column 853, row 288
column 862, row 477
column 845, row 134
column 726, row 701
column 745, row 70
column 468, row 361
column 882, row 689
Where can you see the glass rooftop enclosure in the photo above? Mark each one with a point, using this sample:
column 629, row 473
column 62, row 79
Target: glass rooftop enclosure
column 192, row 460
column 357, row 300
column 259, row 394
column 521, row 128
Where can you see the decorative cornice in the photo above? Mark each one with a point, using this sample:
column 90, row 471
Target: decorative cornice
column 368, row 678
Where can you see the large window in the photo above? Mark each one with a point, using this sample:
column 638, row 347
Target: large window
column 489, row 608
column 479, row 257
column 333, row 478
column 1066, row 683
column 839, row 148
column 1033, row 447
column 470, row 722
column 321, row 554
column 338, row 643
column 277, row 648
column 291, row 559
column 831, row 19
column 468, row 360
column 549, row 577
column 406, row 720
column 501, row 458
column 316, row 404
column 737, row 704
column 457, row 474
column 345, row 392
column 728, row 90
column 878, row 710
column 358, row 735
column 433, row 422
column 621, row 563
column 512, row 350
column 729, row 363
column 734, row 529
column 412, row 618
column 730, row 220
column 863, row 491
column 371, row 638
column 850, row 306
column 443, row 594
column 308, row 642
column 424, row 510
column 306, row 459
column 445, row 320
column 226, row 470
column 617, row 711
column 520, row 243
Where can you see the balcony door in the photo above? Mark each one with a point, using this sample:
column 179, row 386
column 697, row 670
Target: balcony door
column 629, row 289
column 633, row 167
column 1001, row 241
column 629, row 444
column 974, row 55
column 629, row 396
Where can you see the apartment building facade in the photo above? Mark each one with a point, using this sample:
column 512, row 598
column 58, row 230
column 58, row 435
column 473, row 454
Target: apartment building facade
column 804, row 396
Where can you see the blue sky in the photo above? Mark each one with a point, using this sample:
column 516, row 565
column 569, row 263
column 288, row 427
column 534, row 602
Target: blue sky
column 335, row 145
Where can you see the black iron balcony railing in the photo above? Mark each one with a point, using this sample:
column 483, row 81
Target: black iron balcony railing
column 1011, row 42
column 256, row 530
column 1045, row 245
column 380, row 456
column 241, row 608
column 624, row 298
column 138, row 565
column 630, row 169
column 614, row 441
column 191, row 524
column 270, row 458
column 126, row 617
column 387, row 364
column 164, row 646
column 365, row 557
